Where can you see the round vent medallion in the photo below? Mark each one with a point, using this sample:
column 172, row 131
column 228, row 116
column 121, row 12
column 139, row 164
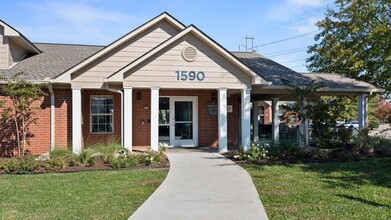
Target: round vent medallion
column 189, row 54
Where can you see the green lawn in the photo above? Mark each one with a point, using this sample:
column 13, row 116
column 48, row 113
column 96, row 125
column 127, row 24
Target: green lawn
column 83, row 195
column 348, row 190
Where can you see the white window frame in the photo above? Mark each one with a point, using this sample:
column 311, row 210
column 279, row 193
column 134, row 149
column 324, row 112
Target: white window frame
column 91, row 114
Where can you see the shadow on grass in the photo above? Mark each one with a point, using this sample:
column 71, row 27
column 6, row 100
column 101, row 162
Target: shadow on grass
column 374, row 171
column 367, row 202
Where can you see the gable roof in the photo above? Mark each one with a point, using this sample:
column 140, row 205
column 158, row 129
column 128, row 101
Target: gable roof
column 164, row 16
column 270, row 70
column 257, row 79
column 52, row 61
column 19, row 38
column 339, row 82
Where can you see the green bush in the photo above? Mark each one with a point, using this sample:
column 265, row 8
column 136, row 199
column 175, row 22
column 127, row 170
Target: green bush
column 55, row 163
column 344, row 134
column 90, row 161
column 382, row 146
column 154, row 157
column 10, row 165
column 85, row 155
column 73, row 160
column 122, row 162
column 253, row 155
column 20, row 164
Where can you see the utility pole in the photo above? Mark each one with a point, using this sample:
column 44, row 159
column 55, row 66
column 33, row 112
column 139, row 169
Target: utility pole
column 246, row 46
column 252, row 43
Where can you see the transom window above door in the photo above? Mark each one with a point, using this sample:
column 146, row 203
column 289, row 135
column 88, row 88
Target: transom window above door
column 102, row 111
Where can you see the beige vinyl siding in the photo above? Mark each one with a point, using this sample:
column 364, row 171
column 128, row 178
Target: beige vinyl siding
column 160, row 69
column 3, row 50
column 125, row 54
column 16, row 52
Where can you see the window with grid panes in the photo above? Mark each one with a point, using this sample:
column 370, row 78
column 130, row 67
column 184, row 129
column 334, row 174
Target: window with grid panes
column 102, row 111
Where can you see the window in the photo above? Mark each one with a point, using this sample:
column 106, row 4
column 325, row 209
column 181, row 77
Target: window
column 102, row 110
column 261, row 110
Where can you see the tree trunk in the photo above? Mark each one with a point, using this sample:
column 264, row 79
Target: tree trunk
column 23, row 134
column 17, row 133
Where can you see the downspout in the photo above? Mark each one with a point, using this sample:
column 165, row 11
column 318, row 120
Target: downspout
column 52, row 117
column 106, row 82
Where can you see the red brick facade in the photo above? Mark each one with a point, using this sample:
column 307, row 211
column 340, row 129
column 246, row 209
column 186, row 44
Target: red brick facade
column 207, row 125
column 39, row 142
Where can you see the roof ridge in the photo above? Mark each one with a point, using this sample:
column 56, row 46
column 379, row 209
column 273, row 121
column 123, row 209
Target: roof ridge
column 70, row 44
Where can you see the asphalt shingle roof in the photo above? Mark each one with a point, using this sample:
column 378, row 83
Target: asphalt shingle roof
column 274, row 72
column 57, row 58
column 270, row 70
column 54, row 60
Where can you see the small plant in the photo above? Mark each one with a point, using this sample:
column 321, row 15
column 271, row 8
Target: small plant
column 253, row 155
column 20, row 164
column 55, row 163
column 155, row 157
column 123, row 162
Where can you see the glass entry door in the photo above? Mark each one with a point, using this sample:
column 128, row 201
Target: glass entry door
column 182, row 128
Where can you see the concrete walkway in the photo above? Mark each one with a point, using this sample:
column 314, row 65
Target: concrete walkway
column 203, row 185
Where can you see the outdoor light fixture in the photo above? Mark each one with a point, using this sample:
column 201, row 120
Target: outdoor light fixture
column 139, row 96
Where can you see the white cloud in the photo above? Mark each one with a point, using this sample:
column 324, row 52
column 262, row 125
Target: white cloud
column 80, row 23
column 307, row 26
column 289, row 9
column 308, row 3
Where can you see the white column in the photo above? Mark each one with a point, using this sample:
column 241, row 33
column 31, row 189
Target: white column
column 128, row 120
column 76, row 120
column 246, row 114
column 155, row 118
column 275, row 121
column 223, row 134
column 362, row 111
column 255, row 121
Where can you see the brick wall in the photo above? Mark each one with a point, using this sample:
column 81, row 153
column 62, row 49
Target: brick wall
column 39, row 142
column 91, row 138
column 39, row 134
column 207, row 124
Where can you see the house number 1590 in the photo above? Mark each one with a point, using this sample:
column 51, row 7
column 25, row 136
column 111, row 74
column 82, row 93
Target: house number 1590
column 189, row 75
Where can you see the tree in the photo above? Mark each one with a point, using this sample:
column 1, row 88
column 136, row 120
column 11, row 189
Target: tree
column 383, row 109
column 355, row 40
column 306, row 104
column 22, row 94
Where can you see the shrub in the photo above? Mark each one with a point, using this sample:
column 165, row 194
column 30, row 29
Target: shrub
column 122, row 162
column 154, row 157
column 10, row 165
column 73, row 160
column 90, row 161
column 28, row 164
column 344, row 134
column 55, row 163
column 321, row 154
column 20, row 164
column 85, row 156
column 382, row 146
column 253, row 155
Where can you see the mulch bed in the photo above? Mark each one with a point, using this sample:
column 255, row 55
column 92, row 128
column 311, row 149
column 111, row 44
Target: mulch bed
column 98, row 166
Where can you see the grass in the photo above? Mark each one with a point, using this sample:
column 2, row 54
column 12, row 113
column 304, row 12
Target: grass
column 82, row 195
column 347, row 190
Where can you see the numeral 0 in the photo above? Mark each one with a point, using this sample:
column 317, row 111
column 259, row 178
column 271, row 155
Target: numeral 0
column 192, row 75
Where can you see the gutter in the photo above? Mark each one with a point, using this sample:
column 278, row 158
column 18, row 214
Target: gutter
column 52, row 116
column 106, row 82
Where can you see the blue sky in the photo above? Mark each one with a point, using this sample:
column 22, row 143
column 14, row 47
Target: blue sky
column 100, row 22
